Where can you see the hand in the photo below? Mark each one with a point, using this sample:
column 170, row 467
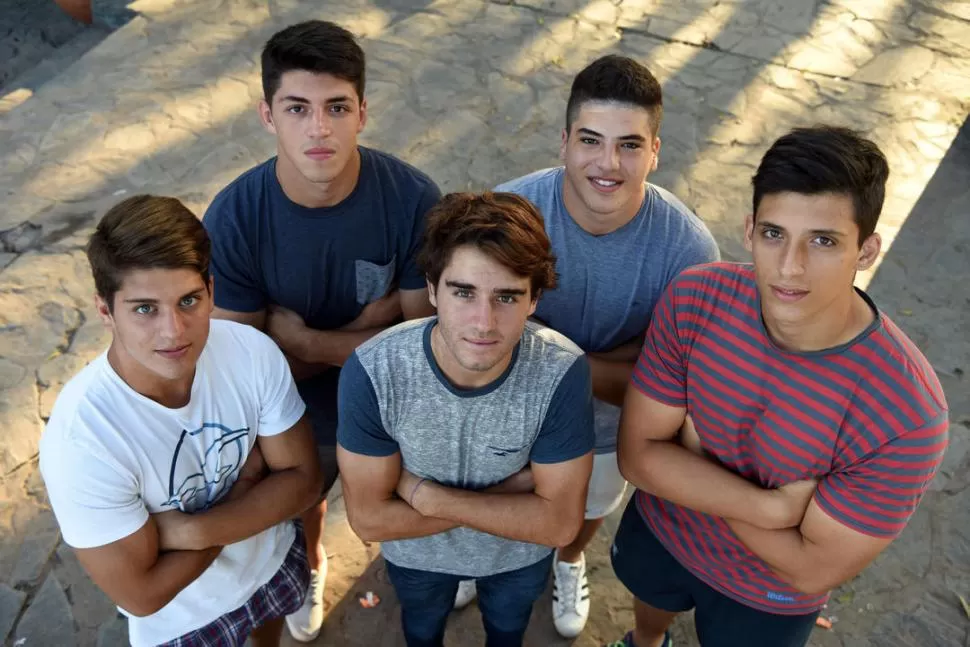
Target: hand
column 175, row 531
column 787, row 504
column 287, row 329
column 252, row 472
column 522, row 482
column 378, row 314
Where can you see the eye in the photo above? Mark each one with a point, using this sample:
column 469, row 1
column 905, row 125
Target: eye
column 770, row 234
column 188, row 302
column 507, row 299
column 825, row 241
column 631, row 146
column 463, row 293
column 589, row 141
column 297, row 109
column 144, row 309
column 339, row 108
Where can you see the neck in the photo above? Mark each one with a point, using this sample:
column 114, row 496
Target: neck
column 173, row 394
column 317, row 194
column 598, row 224
column 456, row 373
column 842, row 322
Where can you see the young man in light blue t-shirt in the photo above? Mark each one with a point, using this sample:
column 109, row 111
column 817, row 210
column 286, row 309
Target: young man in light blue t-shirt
column 618, row 241
column 465, row 440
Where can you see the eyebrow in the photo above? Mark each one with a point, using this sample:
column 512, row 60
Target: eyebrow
column 292, row 98
column 502, row 291
column 147, row 300
column 817, row 232
column 625, row 138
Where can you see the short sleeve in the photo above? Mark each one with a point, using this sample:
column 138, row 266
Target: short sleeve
column 280, row 404
column 235, row 272
column 359, row 426
column 661, row 372
column 411, row 277
column 879, row 494
column 701, row 249
column 567, row 429
column 95, row 501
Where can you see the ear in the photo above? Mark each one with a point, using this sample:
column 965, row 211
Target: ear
column 656, row 153
column 562, row 147
column 266, row 116
column 104, row 312
column 749, row 231
column 363, row 115
column 535, row 302
column 869, row 252
column 432, row 296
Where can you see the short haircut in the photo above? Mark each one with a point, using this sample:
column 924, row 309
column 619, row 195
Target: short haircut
column 314, row 46
column 826, row 159
column 504, row 226
column 146, row 232
column 619, row 79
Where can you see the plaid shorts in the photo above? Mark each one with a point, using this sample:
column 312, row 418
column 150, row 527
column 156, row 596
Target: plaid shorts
column 281, row 596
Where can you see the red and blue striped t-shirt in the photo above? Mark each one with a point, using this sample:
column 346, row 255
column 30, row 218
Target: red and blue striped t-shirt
column 868, row 419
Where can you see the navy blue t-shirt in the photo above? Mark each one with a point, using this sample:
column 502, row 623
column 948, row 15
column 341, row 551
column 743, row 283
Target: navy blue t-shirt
column 325, row 263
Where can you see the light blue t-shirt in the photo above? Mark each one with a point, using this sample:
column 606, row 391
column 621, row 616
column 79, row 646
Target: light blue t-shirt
column 608, row 285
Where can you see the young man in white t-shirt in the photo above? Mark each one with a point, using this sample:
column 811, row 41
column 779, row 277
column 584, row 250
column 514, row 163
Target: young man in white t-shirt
column 175, row 460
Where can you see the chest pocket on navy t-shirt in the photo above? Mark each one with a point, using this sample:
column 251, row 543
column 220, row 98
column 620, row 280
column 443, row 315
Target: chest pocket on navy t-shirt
column 373, row 280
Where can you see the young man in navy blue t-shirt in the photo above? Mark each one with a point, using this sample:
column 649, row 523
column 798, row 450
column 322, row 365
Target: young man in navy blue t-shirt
column 317, row 245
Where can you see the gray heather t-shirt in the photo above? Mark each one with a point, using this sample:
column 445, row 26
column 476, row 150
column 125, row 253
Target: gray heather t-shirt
column 393, row 397
column 608, row 285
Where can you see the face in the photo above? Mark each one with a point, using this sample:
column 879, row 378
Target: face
column 316, row 119
column 482, row 310
column 608, row 154
column 159, row 326
column 806, row 254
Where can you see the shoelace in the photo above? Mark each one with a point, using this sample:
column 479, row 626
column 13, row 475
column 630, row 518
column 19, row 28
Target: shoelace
column 571, row 592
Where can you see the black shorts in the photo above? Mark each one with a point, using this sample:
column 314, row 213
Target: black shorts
column 320, row 395
column 655, row 577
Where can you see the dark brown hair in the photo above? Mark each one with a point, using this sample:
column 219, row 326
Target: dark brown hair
column 146, row 232
column 618, row 79
column 504, row 226
column 316, row 46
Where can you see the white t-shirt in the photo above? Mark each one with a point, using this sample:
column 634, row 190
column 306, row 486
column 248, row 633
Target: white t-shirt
column 110, row 457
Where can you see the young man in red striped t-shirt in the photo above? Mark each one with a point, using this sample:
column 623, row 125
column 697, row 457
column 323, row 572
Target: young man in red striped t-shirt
column 819, row 424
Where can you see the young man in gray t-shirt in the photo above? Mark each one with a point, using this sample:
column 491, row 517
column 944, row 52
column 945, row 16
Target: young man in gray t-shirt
column 465, row 440
column 618, row 241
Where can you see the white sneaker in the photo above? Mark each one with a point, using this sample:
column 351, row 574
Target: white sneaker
column 304, row 623
column 570, row 597
column 466, row 593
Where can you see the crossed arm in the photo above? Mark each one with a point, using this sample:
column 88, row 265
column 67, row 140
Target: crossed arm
column 144, row 571
column 311, row 351
column 384, row 501
column 785, row 527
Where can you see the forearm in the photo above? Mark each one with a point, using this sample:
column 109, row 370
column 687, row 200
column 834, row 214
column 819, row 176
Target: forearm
column 394, row 519
column 669, row 471
column 333, row 347
column 172, row 572
column 280, row 496
column 522, row 517
column 789, row 554
column 610, row 378
column 302, row 370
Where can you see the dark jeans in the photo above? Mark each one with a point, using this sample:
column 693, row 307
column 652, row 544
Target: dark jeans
column 505, row 601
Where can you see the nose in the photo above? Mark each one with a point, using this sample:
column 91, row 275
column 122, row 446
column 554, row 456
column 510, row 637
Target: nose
column 172, row 325
column 610, row 158
column 793, row 260
column 484, row 316
column 320, row 124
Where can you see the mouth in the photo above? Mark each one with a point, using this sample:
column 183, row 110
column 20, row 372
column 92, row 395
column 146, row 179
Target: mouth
column 320, row 154
column 173, row 353
column 605, row 184
column 788, row 295
column 482, row 343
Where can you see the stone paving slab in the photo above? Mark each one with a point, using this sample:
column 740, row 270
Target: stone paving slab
column 474, row 93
